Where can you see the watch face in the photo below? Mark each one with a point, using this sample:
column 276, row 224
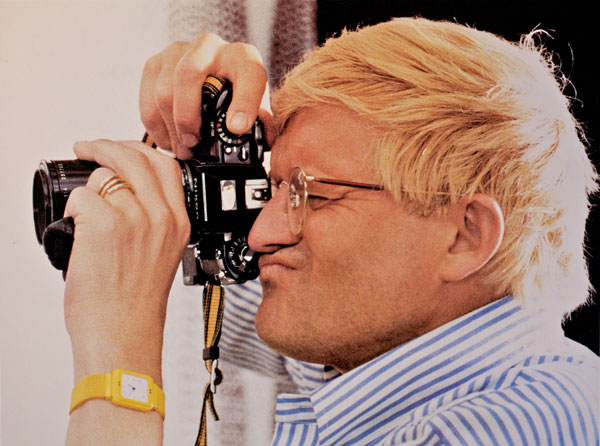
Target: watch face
column 134, row 388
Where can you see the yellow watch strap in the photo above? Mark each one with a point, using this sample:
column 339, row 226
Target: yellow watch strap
column 159, row 399
column 90, row 387
column 106, row 386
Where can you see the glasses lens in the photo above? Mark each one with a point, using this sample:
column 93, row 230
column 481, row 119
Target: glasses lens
column 297, row 203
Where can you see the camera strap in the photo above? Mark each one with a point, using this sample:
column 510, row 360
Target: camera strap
column 213, row 303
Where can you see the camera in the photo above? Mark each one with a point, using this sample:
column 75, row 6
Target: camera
column 225, row 187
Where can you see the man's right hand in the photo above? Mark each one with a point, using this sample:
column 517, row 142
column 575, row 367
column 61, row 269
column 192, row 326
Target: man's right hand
column 171, row 90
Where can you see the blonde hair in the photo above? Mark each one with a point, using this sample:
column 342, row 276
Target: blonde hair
column 456, row 111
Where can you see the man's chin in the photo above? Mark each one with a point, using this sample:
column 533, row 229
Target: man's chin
column 272, row 322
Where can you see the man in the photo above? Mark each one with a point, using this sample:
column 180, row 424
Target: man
column 424, row 239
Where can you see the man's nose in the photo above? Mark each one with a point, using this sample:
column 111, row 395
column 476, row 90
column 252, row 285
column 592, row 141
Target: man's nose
column 271, row 230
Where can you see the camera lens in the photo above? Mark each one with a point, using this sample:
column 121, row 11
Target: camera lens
column 42, row 204
column 52, row 184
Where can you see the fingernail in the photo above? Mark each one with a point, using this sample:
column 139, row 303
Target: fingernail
column 239, row 121
column 188, row 140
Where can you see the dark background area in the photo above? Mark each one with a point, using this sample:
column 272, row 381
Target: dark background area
column 572, row 40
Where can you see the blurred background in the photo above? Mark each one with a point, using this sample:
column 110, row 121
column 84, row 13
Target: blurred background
column 70, row 70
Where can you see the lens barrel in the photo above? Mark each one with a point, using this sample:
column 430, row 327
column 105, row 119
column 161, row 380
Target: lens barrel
column 53, row 182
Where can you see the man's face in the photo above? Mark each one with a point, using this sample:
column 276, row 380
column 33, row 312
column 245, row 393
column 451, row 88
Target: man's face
column 360, row 278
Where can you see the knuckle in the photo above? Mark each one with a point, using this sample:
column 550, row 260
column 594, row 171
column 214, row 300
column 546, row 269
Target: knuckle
column 171, row 167
column 153, row 64
column 163, row 94
column 177, row 47
column 98, row 175
column 261, row 72
column 151, row 117
column 186, row 122
column 78, row 194
column 184, row 230
column 189, row 68
column 162, row 218
column 135, row 216
column 208, row 39
column 242, row 48
column 246, row 52
column 113, row 223
column 129, row 224
column 166, row 225
column 136, row 158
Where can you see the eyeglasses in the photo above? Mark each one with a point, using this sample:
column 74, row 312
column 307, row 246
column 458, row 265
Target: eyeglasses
column 298, row 195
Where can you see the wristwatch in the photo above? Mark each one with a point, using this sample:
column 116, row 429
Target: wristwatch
column 124, row 388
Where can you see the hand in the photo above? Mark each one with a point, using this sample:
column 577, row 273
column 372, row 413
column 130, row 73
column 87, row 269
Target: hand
column 171, row 90
column 125, row 254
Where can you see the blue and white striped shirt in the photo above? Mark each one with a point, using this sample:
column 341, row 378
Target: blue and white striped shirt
column 496, row 376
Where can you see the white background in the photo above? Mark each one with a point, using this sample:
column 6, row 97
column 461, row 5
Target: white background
column 69, row 71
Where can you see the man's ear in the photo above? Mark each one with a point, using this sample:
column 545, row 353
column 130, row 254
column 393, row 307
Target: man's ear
column 478, row 224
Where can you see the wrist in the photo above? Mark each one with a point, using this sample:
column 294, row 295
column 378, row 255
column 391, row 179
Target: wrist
column 143, row 356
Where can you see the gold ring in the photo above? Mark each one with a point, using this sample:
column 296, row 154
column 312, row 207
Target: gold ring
column 116, row 187
column 113, row 184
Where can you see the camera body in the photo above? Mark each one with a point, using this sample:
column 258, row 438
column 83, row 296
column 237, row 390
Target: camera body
column 225, row 187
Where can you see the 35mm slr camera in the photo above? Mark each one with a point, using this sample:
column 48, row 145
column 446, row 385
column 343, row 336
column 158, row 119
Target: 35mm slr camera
column 225, row 187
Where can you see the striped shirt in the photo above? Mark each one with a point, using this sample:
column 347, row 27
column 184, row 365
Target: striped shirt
column 496, row 376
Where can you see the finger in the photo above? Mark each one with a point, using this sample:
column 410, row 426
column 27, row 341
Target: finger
column 84, row 201
column 164, row 89
column 169, row 172
column 240, row 63
column 120, row 196
column 131, row 165
column 96, row 220
column 249, row 79
column 155, row 177
column 149, row 111
column 191, row 71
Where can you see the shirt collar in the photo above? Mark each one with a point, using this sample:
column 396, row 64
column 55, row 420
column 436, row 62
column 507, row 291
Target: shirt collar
column 365, row 403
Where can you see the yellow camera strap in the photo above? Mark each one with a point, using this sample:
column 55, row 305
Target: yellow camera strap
column 148, row 141
column 213, row 302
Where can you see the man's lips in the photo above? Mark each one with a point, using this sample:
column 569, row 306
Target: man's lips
column 275, row 260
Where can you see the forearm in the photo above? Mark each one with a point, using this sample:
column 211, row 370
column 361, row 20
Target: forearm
column 99, row 422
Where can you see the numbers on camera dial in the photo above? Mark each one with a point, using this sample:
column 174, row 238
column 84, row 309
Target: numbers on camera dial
column 240, row 255
column 225, row 135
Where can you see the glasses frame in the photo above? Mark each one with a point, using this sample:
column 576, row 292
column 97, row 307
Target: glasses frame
column 293, row 194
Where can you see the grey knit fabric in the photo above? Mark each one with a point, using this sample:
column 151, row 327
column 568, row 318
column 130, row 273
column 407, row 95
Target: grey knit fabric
column 294, row 34
column 294, row 29
column 227, row 18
